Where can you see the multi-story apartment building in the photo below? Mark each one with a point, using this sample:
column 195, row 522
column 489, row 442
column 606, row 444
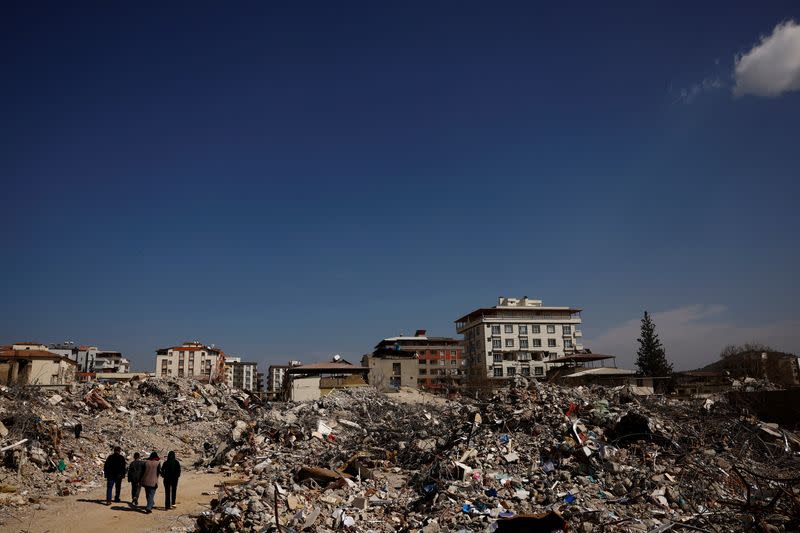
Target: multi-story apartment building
column 439, row 358
column 229, row 362
column 191, row 359
column 276, row 375
column 111, row 362
column 92, row 359
column 518, row 336
column 243, row 375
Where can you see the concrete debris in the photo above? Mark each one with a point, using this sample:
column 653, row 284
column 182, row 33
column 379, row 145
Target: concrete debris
column 38, row 448
column 532, row 458
column 583, row 459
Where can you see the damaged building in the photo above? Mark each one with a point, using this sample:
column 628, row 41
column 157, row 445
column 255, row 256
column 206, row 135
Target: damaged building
column 30, row 363
column 313, row 381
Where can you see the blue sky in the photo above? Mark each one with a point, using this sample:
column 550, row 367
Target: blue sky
column 293, row 181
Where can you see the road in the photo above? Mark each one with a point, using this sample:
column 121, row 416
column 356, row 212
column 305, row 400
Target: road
column 87, row 512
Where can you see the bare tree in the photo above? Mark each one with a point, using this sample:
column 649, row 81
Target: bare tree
column 753, row 346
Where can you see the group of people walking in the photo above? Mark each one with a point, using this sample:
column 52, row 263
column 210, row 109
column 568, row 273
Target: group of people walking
column 142, row 474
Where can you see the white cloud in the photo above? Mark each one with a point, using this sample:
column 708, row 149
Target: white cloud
column 694, row 335
column 771, row 67
column 688, row 96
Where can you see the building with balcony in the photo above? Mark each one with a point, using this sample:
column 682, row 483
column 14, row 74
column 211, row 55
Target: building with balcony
column 190, row 359
column 311, row 382
column 275, row 376
column 439, row 359
column 243, row 375
column 84, row 356
column 90, row 359
column 106, row 362
column 391, row 369
column 517, row 337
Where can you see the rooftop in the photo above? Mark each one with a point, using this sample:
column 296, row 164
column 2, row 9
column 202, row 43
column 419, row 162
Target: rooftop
column 517, row 304
column 7, row 352
column 329, row 367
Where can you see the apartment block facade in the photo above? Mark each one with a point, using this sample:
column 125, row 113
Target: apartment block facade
column 276, row 375
column 92, row 359
column 439, row 359
column 190, row 359
column 243, row 375
column 517, row 337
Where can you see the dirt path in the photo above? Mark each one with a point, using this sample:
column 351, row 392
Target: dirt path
column 88, row 513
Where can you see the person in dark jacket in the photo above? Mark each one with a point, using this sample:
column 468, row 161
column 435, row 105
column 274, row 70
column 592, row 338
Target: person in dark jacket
column 152, row 469
column 114, row 472
column 135, row 473
column 170, row 471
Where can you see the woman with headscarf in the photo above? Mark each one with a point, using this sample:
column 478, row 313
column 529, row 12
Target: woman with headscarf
column 171, row 471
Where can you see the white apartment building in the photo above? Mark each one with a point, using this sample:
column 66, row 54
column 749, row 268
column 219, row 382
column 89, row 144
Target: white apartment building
column 518, row 336
column 243, row 375
column 276, row 374
column 111, row 362
column 91, row 358
column 229, row 361
column 191, row 359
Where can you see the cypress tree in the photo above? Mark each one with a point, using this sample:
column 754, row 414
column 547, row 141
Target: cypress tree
column 651, row 358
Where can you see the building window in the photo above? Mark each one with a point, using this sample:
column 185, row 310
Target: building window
column 396, row 368
column 539, row 371
column 509, row 328
column 551, row 343
column 551, row 328
column 523, row 330
column 495, row 330
column 423, row 361
column 509, row 343
column 496, row 343
column 452, row 361
column 512, row 371
column 497, row 357
column 498, row 372
column 423, row 371
column 524, row 356
column 537, row 343
column 566, row 330
column 523, row 343
column 526, row 371
column 536, row 328
column 567, row 343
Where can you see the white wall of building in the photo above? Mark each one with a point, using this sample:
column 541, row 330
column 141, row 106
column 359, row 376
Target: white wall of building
column 503, row 342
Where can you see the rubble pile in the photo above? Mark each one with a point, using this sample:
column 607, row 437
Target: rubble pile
column 543, row 458
column 41, row 456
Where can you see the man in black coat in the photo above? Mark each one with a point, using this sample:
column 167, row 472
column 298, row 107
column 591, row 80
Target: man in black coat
column 114, row 472
column 135, row 473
